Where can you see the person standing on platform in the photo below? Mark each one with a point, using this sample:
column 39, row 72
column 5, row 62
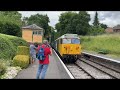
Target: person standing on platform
column 32, row 53
column 43, row 64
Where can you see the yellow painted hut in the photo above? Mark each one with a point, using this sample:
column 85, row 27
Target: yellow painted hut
column 32, row 33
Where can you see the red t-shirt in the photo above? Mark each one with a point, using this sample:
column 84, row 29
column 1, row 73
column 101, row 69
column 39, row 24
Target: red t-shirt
column 47, row 52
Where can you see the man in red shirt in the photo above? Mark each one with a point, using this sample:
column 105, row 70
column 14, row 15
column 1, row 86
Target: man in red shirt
column 43, row 65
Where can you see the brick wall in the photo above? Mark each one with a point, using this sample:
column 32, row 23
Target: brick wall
column 109, row 30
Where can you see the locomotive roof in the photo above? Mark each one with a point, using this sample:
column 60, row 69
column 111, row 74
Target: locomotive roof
column 68, row 36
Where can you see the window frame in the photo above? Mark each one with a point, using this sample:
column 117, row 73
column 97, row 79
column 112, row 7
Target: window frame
column 36, row 32
column 74, row 39
column 66, row 38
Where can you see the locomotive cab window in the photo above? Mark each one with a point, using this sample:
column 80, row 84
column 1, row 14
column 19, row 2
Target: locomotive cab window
column 75, row 41
column 66, row 41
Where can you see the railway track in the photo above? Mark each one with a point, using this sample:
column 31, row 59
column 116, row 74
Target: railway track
column 78, row 72
column 81, row 70
column 93, row 69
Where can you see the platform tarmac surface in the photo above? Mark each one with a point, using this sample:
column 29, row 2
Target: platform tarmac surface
column 55, row 70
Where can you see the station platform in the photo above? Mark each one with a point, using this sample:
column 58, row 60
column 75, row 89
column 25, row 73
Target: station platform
column 56, row 70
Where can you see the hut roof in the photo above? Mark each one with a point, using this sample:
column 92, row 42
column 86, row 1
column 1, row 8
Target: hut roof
column 33, row 27
column 116, row 27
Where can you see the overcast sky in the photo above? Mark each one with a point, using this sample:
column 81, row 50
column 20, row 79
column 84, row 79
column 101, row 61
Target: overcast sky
column 111, row 18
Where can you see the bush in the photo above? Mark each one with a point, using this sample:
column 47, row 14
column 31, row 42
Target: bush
column 103, row 51
column 23, row 50
column 2, row 68
column 8, row 46
column 96, row 30
column 21, row 61
column 17, row 41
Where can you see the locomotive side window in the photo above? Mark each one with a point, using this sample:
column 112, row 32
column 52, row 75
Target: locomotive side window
column 66, row 41
column 57, row 44
column 75, row 41
column 60, row 41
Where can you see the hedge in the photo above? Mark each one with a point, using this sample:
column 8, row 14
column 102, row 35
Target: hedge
column 23, row 50
column 21, row 61
column 9, row 44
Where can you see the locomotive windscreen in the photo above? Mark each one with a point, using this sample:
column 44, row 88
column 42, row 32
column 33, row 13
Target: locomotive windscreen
column 66, row 41
column 71, row 41
column 75, row 41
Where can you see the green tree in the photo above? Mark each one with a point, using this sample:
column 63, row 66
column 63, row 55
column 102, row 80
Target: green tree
column 83, row 26
column 72, row 22
column 25, row 21
column 10, row 29
column 52, row 36
column 103, row 25
column 10, row 23
column 11, row 17
column 97, row 27
column 96, row 21
column 65, row 21
column 96, row 30
column 40, row 20
column 58, row 27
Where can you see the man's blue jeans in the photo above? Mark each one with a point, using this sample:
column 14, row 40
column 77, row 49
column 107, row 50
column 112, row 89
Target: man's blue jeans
column 42, row 70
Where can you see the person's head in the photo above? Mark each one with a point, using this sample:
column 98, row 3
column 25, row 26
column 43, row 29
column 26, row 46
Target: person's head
column 36, row 44
column 40, row 44
column 45, row 42
column 31, row 43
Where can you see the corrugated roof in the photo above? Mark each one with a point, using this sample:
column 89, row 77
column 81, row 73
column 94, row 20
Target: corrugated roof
column 116, row 27
column 33, row 27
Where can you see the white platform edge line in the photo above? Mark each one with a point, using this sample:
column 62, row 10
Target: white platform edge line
column 103, row 57
column 71, row 76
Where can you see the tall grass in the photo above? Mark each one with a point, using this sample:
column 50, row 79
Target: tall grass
column 106, row 42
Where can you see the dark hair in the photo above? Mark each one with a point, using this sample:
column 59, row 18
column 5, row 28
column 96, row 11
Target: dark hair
column 36, row 44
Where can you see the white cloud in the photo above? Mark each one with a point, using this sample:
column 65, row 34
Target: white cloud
column 53, row 15
column 111, row 18
column 92, row 14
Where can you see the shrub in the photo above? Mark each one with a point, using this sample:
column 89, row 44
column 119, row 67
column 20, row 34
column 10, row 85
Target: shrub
column 96, row 30
column 21, row 61
column 23, row 50
column 2, row 68
column 17, row 41
column 103, row 51
column 8, row 46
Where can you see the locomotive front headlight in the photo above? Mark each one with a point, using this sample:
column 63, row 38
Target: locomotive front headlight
column 77, row 47
column 68, row 46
